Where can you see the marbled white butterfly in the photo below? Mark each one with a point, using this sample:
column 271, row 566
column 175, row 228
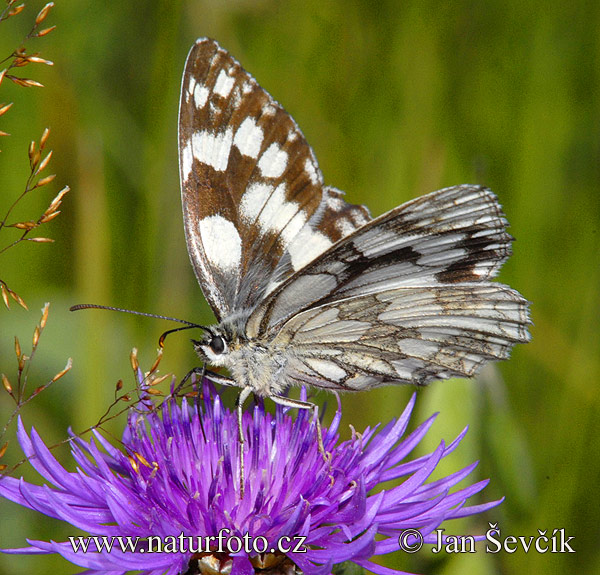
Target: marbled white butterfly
column 308, row 289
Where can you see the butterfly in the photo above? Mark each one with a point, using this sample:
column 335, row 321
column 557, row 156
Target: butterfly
column 308, row 289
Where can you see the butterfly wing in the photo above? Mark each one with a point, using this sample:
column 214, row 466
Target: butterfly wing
column 404, row 335
column 250, row 184
column 450, row 236
column 405, row 298
column 333, row 220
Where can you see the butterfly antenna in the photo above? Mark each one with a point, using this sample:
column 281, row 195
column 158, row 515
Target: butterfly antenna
column 188, row 324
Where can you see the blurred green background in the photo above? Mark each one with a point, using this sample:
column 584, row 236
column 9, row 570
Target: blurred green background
column 397, row 99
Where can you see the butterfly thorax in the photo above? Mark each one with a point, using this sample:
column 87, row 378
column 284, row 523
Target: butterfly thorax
column 257, row 364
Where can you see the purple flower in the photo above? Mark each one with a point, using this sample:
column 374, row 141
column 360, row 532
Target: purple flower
column 177, row 477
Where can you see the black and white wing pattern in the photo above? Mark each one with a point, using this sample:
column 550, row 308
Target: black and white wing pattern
column 254, row 206
column 404, row 335
column 453, row 235
column 405, row 298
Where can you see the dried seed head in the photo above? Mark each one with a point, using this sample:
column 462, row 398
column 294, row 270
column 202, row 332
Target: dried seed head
column 159, row 380
column 40, row 240
column 45, row 310
column 5, row 295
column 159, row 354
column 45, row 161
column 44, row 12
column 20, row 62
column 4, row 133
column 38, row 60
column 7, row 384
column 19, row 300
column 18, row 352
column 2, row 74
column 16, row 10
column 3, row 449
column 65, row 370
column 24, row 225
column 35, row 160
column 45, row 31
column 36, row 335
column 25, row 82
column 134, row 360
column 48, row 217
column 44, row 138
column 31, row 151
column 57, row 200
column 119, row 385
column 5, row 108
column 45, row 180
column 152, row 391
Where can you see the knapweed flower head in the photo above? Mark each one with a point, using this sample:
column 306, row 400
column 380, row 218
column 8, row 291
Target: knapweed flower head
column 168, row 500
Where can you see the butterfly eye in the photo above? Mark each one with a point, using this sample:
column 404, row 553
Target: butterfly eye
column 217, row 344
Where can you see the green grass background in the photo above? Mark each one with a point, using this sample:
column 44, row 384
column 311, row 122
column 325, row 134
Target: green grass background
column 397, row 99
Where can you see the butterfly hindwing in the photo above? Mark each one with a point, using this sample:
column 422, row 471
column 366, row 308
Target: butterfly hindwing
column 404, row 335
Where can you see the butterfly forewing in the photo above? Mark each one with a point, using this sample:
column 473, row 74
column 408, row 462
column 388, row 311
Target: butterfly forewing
column 333, row 220
column 250, row 182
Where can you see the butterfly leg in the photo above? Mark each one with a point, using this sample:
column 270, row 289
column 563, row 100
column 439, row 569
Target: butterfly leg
column 218, row 378
column 239, row 405
column 187, row 376
column 195, row 371
column 299, row 404
column 203, row 372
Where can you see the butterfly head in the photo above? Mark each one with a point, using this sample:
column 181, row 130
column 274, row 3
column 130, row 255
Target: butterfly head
column 214, row 347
